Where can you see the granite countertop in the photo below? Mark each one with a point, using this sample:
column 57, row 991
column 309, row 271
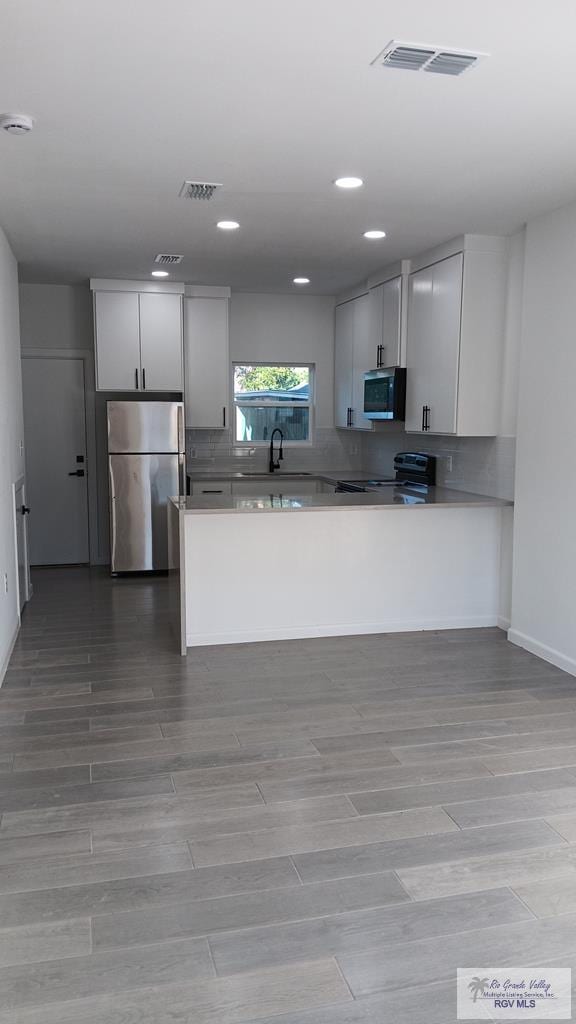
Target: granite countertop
column 284, row 497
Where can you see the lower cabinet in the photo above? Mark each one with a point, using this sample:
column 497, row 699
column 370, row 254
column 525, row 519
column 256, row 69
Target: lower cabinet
column 207, row 487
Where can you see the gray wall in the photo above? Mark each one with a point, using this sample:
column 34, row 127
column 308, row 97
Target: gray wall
column 11, row 443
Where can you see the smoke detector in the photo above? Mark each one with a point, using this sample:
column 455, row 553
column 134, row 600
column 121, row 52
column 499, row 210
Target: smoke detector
column 199, row 189
column 167, row 259
column 16, row 124
column 439, row 60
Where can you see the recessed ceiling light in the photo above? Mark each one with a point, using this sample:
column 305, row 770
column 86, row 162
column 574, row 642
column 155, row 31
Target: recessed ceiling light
column 228, row 225
column 16, row 124
column 160, row 273
column 374, row 234
column 301, row 280
column 348, row 182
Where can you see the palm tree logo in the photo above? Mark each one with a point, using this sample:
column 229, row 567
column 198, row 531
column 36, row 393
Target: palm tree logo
column 478, row 987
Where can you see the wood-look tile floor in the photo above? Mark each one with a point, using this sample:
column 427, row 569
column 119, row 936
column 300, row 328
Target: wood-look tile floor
column 307, row 832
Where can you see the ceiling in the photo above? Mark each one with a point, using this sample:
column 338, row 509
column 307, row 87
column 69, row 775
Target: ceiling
column 275, row 98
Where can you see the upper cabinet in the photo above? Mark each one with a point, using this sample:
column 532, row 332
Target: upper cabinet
column 207, row 358
column 138, row 336
column 386, row 323
column 354, row 354
column 455, row 334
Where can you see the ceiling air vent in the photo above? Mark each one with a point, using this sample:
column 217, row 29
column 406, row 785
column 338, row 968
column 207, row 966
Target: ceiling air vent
column 198, row 189
column 436, row 59
column 167, row 259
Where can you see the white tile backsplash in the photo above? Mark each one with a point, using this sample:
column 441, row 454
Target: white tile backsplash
column 208, row 450
column 484, row 465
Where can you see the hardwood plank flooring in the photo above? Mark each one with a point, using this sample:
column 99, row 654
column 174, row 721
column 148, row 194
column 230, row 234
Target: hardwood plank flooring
column 310, row 832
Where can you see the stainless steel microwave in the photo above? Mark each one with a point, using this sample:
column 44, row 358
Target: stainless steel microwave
column 385, row 393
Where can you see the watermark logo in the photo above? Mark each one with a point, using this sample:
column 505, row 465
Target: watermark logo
column 514, row 993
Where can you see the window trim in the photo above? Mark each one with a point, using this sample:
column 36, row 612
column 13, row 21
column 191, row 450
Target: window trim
column 270, row 404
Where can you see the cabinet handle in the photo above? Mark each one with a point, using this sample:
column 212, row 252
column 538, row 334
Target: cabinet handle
column 380, row 357
column 143, row 379
column 223, row 415
column 212, row 492
column 423, row 418
column 351, row 424
column 136, row 375
column 348, row 416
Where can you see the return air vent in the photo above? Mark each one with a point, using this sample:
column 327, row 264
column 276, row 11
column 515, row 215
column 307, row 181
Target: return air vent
column 435, row 59
column 199, row 189
column 167, row 259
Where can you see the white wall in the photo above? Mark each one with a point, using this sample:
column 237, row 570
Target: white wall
column 11, row 443
column 288, row 328
column 544, row 579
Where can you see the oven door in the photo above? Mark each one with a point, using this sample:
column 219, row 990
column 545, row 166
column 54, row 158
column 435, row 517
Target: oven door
column 385, row 393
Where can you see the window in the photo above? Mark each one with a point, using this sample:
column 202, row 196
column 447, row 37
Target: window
column 270, row 395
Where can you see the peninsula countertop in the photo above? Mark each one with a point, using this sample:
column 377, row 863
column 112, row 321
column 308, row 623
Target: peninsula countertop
column 281, row 495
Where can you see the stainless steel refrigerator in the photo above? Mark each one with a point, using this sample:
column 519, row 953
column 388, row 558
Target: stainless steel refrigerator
column 145, row 467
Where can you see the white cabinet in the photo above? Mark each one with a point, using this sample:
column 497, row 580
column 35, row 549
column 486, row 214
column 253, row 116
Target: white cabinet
column 214, row 487
column 343, row 362
column 455, row 337
column 354, row 355
column 386, row 323
column 117, row 328
column 434, row 301
column 161, row 342
column 207, row 362
column 138, row 338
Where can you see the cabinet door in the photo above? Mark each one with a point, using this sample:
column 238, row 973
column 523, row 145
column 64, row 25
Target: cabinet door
column 392, row 322
column 207, row 363
column 433, row 346
column 343, row 362
column 161, row 341
column 116, row 323
column 210, row 487
column 363, row 360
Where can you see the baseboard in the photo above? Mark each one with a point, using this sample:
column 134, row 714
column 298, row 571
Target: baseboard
column 503, row 623
column 543, row 651
column 6, row 661
column 252, row 636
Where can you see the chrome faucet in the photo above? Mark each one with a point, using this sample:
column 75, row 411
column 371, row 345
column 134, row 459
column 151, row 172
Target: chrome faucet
column 275, row 464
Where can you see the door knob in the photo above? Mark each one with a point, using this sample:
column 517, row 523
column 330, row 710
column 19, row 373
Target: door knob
column 24, row 510
column 77, row 472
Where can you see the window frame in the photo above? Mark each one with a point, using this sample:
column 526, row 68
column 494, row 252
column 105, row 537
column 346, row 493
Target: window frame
column 271, row 404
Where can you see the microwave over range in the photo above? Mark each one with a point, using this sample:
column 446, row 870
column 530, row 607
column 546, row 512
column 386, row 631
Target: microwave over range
column 385, row 393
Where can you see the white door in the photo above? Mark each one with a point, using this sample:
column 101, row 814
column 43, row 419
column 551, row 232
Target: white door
column 161, row 341
column 55, row 438
column 20, row 514
column 343, row 347
column 363, row 359
column 433, row 346
column 117, row 329
column 207, row 363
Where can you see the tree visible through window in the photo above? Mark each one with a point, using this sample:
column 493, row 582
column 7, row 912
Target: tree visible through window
column 272, row 395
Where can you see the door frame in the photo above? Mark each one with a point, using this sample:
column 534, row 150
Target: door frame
column 87, row 357
column 21, row 482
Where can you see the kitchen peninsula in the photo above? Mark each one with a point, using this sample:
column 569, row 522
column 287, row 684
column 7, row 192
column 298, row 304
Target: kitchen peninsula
column 277, row 564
